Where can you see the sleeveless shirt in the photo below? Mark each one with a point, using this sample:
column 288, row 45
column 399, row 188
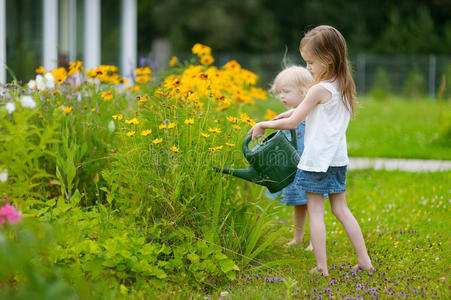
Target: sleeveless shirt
column 325, row 134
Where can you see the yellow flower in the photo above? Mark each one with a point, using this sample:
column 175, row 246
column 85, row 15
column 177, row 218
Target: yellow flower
column 75, row 67
column 173, row 61
column 214, row 130
column 232, row 120
column 230, row 145
column 56, row 91
column 60, row 75
column 162, row 126
column 143, row 71
column 246, row 119
column 189, row 121
column 131, row 133
column 132, row 121
column 171, row 125
column 107, row 95
column 213, row 149
column 142, row 78
column 146, row 132
column 174, row 149
column 40, row 70
column 207, row 60
column 205, row 135
column 201, row 50
column 157, row 141
column 67, row 110
column 236, row 127
column 133, row 88
column 117, row 117
column 269, row 114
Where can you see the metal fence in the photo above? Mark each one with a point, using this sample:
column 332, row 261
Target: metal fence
column 408, row 75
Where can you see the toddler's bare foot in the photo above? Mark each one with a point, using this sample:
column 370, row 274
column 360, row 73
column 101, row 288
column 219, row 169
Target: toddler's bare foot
column 291, row 243
column 309, row 247
column 318, row 271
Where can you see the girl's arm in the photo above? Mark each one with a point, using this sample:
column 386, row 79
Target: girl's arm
column 315, row 95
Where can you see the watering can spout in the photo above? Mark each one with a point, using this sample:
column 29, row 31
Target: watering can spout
column 249, row 174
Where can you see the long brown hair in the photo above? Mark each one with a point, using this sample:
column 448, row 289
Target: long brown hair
column 328, row 45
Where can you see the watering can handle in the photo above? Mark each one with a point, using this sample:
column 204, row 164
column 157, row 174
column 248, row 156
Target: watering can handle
column 246, row 141
column 293, row 139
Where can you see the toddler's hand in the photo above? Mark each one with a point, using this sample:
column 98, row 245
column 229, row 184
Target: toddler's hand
column 256, row 131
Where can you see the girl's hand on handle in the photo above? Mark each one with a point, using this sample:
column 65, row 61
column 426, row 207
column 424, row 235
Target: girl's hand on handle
column 257, row 131
column 284, row 115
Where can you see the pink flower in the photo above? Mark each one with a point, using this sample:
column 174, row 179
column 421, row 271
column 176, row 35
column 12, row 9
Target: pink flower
column 10, row 213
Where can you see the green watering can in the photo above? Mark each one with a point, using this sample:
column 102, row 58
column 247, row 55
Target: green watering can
column 273, row 162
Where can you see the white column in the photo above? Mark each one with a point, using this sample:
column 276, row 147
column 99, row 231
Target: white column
column 92, row 34
column 128, row 37
column 67, row 26
column 72, row 30
column 2, row 41
column 50, row 16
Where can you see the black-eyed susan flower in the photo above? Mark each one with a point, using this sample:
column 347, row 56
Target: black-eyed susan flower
column 41, row 70
column 175, row 149
column 162, row 126
column 75, row 67
column 246, row 119
column 68, row 109
column 146, row 132
column 107, row 95
column 171, row 125
column 135, row 88
column 117, row 117
column 237, row 127
column 142, row 79
column 269, row 114
column 214, row 130
column 213, row 149
column 157, row 141
column 205, row 135
column 207, row 60
column 131, row 133
column 189, row 121
column 229, row 144
column 174, row 60
column 143, row 71
column 60, row 75
column 133, row 121
column 232, row 120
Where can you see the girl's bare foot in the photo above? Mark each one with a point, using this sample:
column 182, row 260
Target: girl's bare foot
column 318, row 271
column 309, row 247
column 369, row 268
column 292, row 242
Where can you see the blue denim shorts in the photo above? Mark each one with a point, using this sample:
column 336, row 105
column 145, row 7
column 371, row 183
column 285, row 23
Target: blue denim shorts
column 332, row 181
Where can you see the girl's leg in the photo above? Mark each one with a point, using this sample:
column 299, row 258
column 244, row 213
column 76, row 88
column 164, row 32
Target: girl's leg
column 341, row 211
column 299, row 216
column 315, row 206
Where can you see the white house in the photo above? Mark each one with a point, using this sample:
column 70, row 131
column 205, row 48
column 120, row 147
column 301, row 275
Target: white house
column 60, row 15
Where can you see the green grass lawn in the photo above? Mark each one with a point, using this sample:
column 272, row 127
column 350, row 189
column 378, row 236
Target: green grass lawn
column 405, row 221
column 394, row 128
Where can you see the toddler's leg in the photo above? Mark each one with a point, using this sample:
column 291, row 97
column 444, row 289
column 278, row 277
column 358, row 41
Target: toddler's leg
column 315, row 206
column 341, row 211
column 299, row 216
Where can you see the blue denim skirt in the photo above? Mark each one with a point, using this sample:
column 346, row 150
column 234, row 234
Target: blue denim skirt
column 290, row 195
column 332, row 181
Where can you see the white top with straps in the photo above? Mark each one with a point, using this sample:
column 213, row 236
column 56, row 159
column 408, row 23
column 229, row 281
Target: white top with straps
column 325, row 134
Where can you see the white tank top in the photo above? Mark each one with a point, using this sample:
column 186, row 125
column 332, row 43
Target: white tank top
column 325, row 134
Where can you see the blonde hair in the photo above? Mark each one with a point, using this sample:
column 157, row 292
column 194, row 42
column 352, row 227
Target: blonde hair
column 328, row 45
column 294, row 76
